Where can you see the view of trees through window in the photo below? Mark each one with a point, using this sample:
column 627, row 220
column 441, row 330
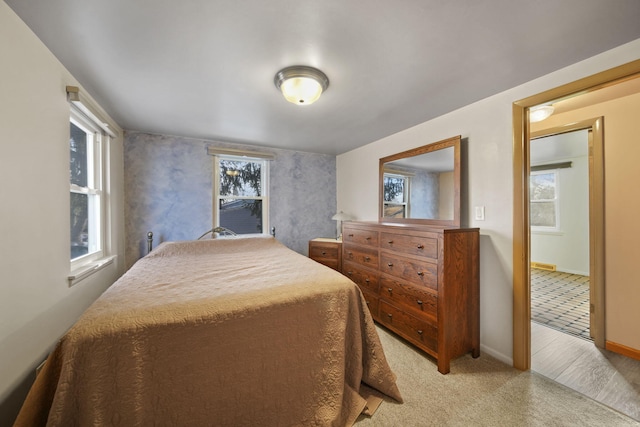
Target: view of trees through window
column 543, row 193
column 240, row 195
column 78, row 171
column 395, row 195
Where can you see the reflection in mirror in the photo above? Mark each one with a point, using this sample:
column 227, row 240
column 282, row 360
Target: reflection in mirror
column 422, row 185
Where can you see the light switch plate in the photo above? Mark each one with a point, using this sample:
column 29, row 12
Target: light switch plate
column 479, row 213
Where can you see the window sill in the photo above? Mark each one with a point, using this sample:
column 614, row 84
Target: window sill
column 89, row 269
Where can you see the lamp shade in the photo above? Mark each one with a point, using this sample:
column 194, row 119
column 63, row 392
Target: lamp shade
column 301, row 85
column 341, row 216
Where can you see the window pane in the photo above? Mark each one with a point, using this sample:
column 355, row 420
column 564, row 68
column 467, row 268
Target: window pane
column 241, row 216
column 79, row 225
column 78, row 169
column 543, row 186
column 240, row 178
column 393, row 189
column 393, row 211
column 543, row 214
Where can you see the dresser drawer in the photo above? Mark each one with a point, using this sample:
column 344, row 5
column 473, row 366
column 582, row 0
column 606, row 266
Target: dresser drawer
column 320, row 250
column 361, row 255
column 327, row 252
column 426, row 246
column 372, row 301
column 364, row 278
column 419, row 272
column 416, row 298
column 360, row 237
column 411, row 327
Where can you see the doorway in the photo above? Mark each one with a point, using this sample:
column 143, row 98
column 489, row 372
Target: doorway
column 521, row 238
column 559, row 231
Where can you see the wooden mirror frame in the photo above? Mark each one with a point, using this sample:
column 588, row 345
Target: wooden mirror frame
column 440, row 145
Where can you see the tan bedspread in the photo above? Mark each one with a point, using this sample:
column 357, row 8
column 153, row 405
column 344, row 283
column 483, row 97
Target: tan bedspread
column 226, row 332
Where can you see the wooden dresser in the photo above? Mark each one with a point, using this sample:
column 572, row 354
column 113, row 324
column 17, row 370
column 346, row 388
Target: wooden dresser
column 326, row 251
column 421, row 282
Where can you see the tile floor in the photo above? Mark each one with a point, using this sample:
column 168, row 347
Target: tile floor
column 607, row 377
column 561, row 348
column 561, row 301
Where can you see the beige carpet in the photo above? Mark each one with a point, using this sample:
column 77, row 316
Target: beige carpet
column 480, row 392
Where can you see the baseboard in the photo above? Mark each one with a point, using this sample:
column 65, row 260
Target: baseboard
column 553, row 267
column 496, row 354
column 623, row 350
column 568, row 270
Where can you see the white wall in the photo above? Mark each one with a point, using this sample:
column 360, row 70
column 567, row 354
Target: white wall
column 487, row 128
column 36, row 303
column 568, row 249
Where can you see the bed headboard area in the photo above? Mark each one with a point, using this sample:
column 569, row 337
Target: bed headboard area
column 170, row 192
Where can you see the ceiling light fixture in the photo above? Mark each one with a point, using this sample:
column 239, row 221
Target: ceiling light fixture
column 301, row 85
column 540, row 112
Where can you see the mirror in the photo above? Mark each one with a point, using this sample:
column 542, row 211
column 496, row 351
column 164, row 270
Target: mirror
column 422, row 185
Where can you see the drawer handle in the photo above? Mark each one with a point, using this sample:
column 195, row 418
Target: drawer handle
column 323, row 253
column 390, row 315
column 390, row 242
column 368, row 238
column 367, row 280
column 390, row 264
column 367, row 258
column 368, row 302
column 419, row 331
column 420, row 273
column 390, row 290
column 350, row 273
column 419, row 302
column 420, row 246
column 350, row 254
column 350, row 235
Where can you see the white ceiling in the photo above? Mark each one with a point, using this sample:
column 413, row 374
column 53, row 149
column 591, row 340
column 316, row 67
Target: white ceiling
column 204, row 68
column 559, row 147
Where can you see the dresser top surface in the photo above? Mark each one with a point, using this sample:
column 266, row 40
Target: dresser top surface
column 327, row 240
column 417, row 227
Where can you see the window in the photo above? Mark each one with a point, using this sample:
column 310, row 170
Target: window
column 241, row 202
column 396, row 195
column 543, row 192
column 86, row 196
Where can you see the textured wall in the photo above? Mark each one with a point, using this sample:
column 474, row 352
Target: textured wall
column 425, row 195
column 168, row 190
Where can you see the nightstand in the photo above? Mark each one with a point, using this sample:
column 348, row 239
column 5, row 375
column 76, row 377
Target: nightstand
column 326, row 251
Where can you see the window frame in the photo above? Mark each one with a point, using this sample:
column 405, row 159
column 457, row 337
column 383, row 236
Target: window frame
column 555, row 200
column 95, row 187
column 405, row 193
column 264, row 189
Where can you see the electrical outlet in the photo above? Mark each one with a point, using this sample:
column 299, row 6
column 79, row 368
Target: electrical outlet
column 479, row 213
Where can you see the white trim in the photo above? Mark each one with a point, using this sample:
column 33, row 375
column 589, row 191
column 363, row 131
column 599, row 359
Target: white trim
column 264, row 190
column 550, row 232
column 215, row 151
column 84, row 105
column 94, row 190
column 89, row 269
column 555, row 200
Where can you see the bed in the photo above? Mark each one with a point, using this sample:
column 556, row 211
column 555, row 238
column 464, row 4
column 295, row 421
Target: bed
column 229, row 332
